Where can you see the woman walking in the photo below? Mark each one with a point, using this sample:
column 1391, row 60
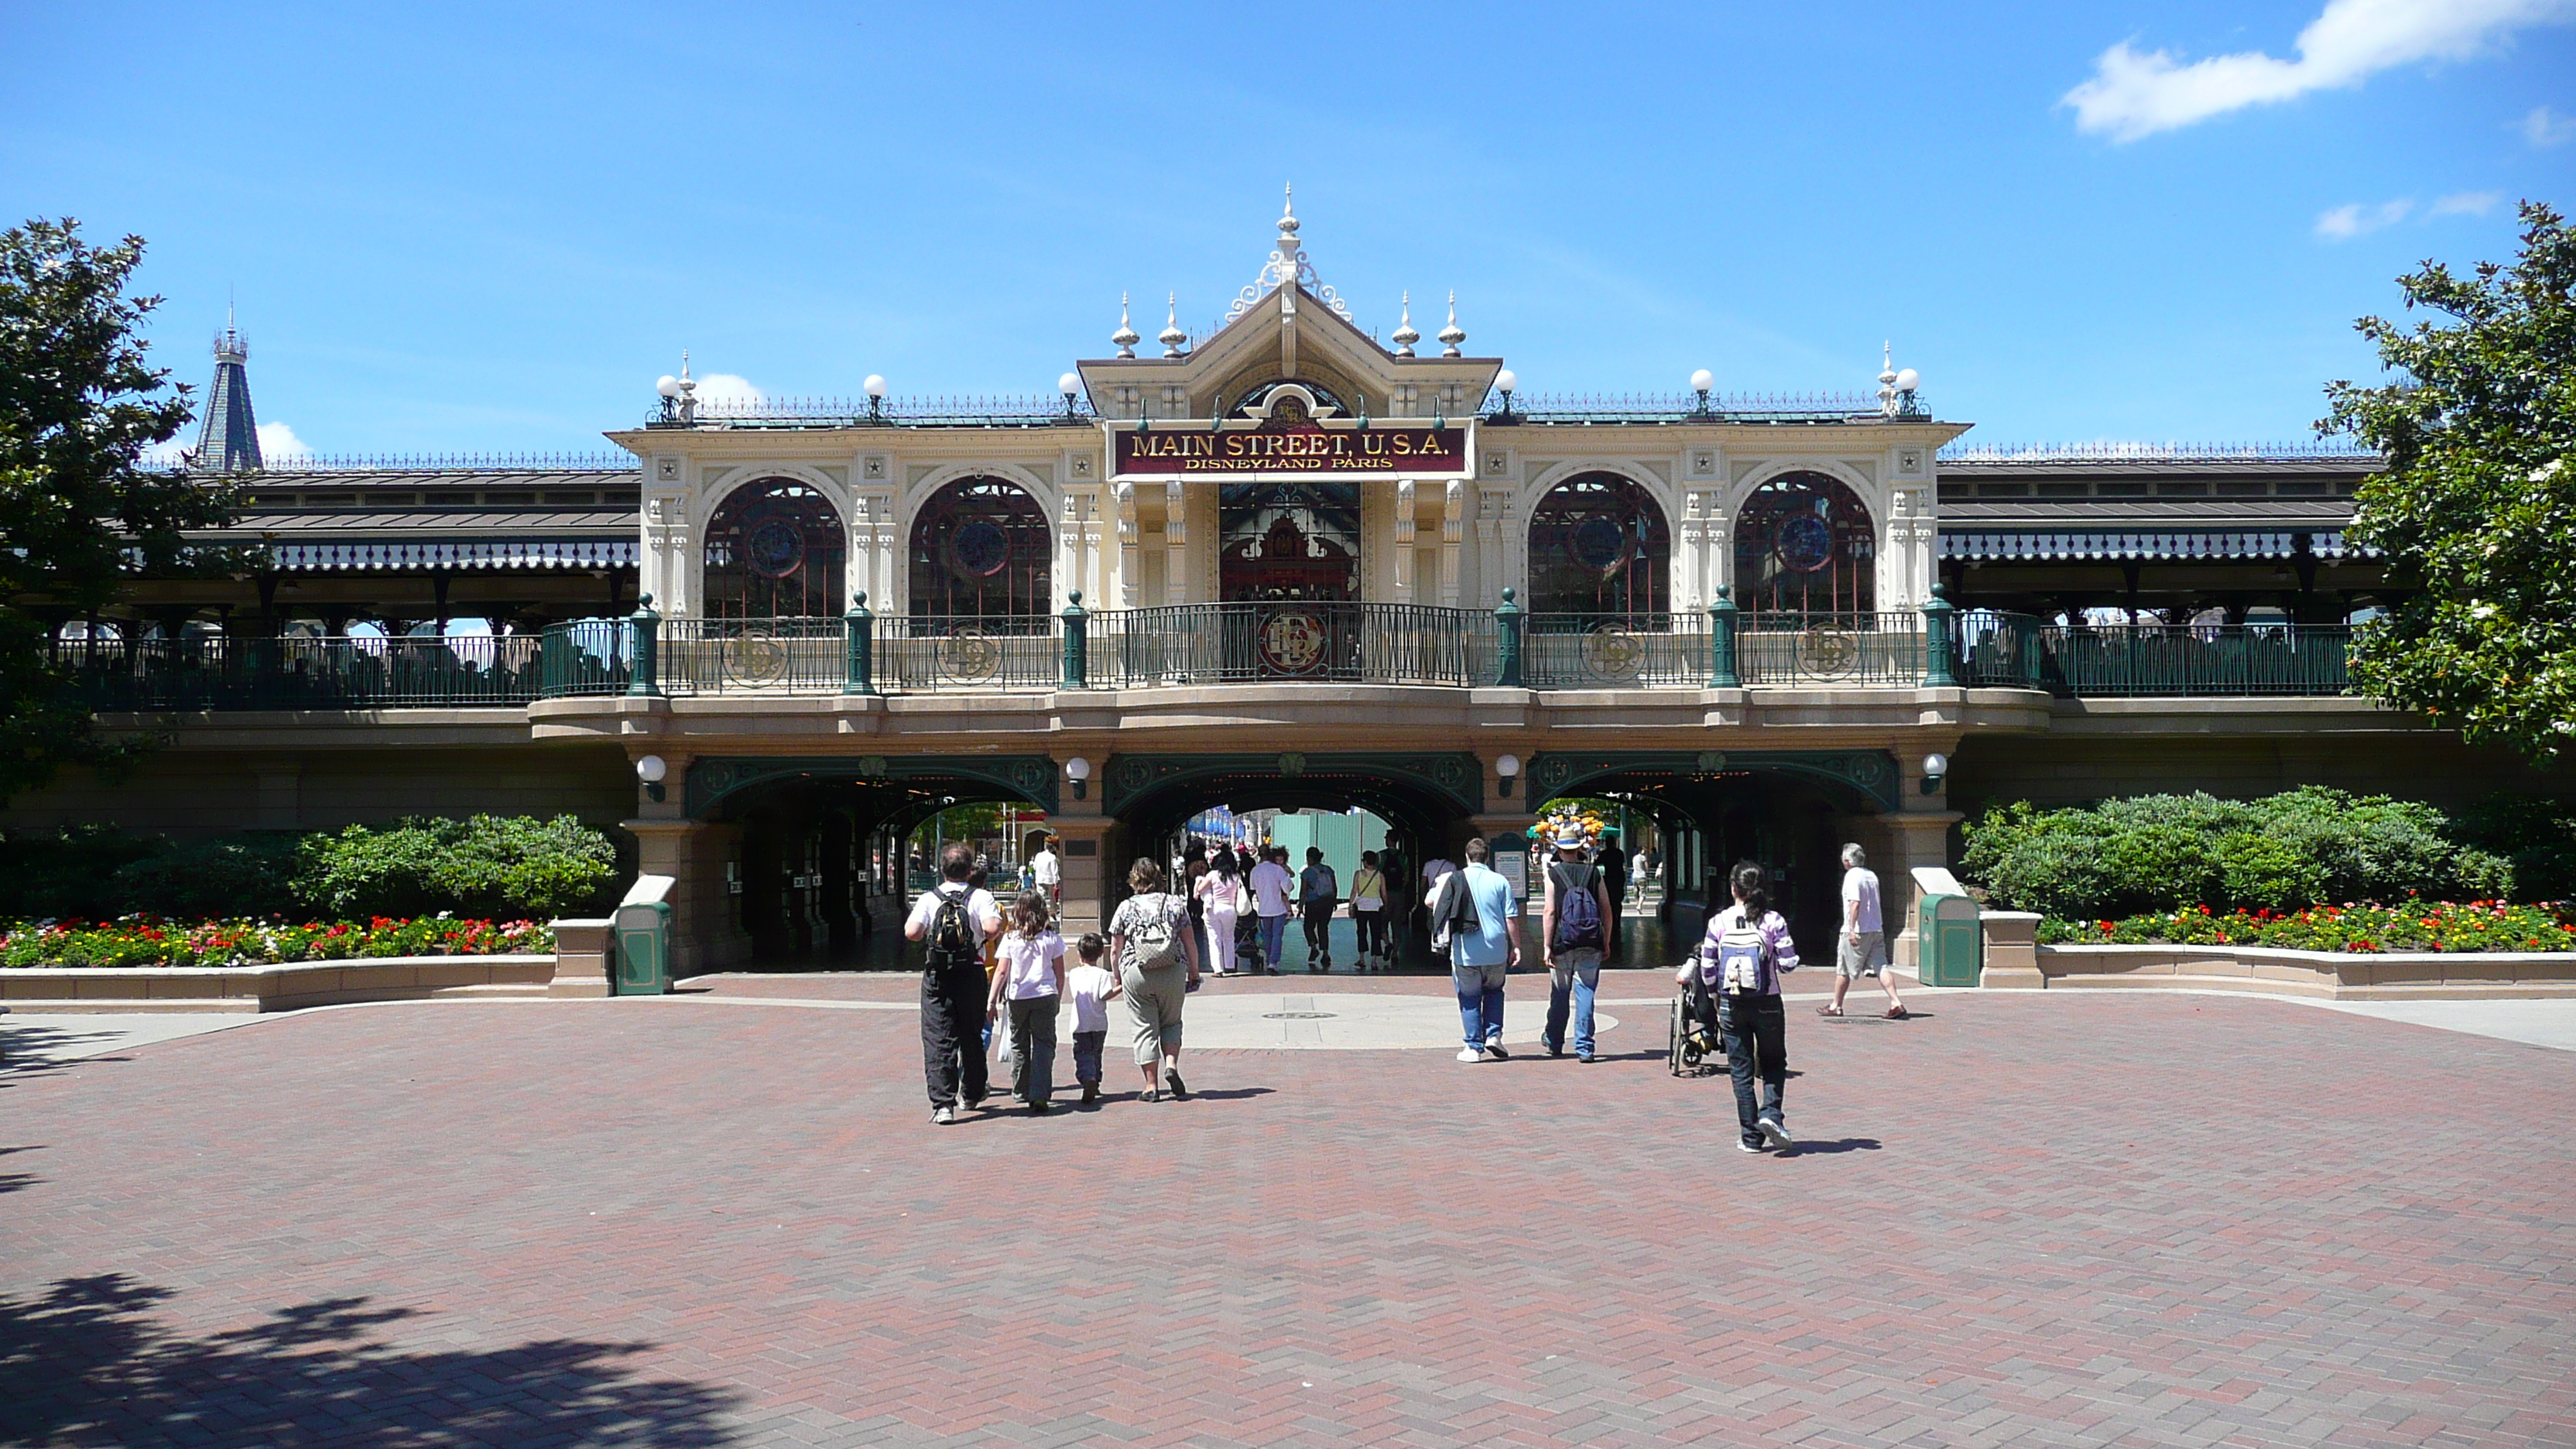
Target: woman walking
column 1217, row 892
column 1368, row 908
column 1158, row 962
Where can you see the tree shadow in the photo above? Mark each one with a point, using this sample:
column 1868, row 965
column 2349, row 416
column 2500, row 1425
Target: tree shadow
column 85, row 1364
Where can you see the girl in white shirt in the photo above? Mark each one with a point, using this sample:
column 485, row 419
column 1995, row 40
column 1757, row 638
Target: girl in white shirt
column 1029, row 975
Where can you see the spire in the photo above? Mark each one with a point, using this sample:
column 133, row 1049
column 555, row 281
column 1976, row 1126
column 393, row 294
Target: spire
column 229, row 441
column 1125, row 338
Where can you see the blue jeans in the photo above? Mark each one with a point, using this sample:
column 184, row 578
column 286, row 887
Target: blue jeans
column 1572, row 981
column 1480, row 1002
column 1274, row 938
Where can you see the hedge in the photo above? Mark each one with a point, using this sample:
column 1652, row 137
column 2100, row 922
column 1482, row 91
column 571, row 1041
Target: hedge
column 483, row 867
column 2163, row 853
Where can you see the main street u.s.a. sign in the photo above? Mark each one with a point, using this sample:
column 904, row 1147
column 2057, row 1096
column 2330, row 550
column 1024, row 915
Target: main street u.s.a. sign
column 1408, row 450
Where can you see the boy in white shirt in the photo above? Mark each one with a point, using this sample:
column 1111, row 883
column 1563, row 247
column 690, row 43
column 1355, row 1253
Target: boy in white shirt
column 1093, row 988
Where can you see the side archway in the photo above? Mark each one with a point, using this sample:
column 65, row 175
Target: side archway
column 1804, row 544
column 1599, row 544
column 981, row 549
column 775, row 548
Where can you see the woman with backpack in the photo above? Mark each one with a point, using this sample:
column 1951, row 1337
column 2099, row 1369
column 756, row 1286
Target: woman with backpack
column 1739, row 964
column 1158, row 964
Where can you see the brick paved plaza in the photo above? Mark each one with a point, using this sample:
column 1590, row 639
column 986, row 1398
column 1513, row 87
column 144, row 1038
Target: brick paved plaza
column 2018, row 1220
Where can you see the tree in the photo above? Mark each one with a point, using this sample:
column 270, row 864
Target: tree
column 79, row 513
column 2476, row 510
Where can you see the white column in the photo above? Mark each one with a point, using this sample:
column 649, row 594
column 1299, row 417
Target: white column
column 1176, row 544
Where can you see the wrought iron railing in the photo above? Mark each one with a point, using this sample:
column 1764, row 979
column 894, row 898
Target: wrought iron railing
column 2196, row 659
column 1853, row 648
column 301, row 672
column 1205, row 644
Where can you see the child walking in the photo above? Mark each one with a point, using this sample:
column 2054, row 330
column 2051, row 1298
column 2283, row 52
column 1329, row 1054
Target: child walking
column 1738, row 967
column 1030, row 976
column 1093, row 987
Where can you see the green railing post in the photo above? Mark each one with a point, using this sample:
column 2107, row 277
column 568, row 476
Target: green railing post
column 1077, row 642
column 1940, row 669
column 859, row 636
column 647, row 675
column 1507, row 640
column 1721, row 642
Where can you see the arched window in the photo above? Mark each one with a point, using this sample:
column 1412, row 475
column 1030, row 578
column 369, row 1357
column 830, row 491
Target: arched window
column 1804, row 545
column 1598, row 545
column 981, row 550
column 774, row 550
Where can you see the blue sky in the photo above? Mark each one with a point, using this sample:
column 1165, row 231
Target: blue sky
column 459, row 228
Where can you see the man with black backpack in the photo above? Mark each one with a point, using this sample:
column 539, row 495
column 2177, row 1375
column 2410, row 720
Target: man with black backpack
column 953, row 921
column 1575, row 918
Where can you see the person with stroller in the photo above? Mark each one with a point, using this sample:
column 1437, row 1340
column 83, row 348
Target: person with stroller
column 1735, row 977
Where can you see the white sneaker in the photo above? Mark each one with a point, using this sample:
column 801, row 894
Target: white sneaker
column 1471, row 1054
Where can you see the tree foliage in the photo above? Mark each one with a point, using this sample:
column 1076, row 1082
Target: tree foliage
column 79, row 513
column 2478, row 505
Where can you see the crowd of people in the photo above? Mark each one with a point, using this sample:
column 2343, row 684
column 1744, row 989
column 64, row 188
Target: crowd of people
column 984, row 972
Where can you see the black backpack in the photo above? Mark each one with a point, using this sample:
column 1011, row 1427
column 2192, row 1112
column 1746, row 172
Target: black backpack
column 952, row 933
column 1578, row 910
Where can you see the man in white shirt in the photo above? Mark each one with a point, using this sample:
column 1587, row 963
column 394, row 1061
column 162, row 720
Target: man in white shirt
column 1272, row 885
column 1050, row 872
column 952, row 983
column 1861, row 949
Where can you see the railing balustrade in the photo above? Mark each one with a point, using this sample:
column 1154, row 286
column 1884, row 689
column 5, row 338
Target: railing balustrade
column 1184, row 645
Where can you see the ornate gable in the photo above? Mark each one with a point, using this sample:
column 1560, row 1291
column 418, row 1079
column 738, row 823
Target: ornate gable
column 1287, row 326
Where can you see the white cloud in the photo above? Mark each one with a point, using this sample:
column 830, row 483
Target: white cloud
column 2465, row 203
column 2136, row 93
column 2545, row 127
column 277, row 440
column 727, row 392
column 2353, row 219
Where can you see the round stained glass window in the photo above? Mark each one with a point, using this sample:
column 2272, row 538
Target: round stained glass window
column 1598, row 543
column 1804, row 542
column 980, row 550
column 775, row 547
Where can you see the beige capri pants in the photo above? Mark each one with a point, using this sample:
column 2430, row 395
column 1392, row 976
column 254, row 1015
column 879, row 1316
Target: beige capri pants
column 1154, row 1002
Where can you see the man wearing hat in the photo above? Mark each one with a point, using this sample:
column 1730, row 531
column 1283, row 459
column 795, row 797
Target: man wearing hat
column 1575, row 930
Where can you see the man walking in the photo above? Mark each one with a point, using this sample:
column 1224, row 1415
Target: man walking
column 1049, row 872
column 1862, row 949
column 1271, row 884
column 1319, row 893
column 1574, row 926
column 1479, row 958
column 953, row 920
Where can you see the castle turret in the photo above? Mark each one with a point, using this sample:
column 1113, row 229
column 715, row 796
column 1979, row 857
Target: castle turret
column 229, row 442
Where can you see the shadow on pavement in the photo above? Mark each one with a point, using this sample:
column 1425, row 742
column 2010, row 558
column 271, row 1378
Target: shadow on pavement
column 86, row 1365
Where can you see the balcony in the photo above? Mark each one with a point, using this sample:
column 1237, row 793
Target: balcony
column 1203, row 645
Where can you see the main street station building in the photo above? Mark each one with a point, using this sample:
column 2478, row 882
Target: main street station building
column 1283, row 565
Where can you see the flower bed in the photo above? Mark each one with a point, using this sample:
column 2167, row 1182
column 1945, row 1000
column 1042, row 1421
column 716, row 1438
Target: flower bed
column 147, row 941
column 2406, row 926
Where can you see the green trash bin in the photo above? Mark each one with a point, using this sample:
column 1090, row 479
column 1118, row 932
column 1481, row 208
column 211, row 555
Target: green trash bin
column 1949, row 934
column 644, row 939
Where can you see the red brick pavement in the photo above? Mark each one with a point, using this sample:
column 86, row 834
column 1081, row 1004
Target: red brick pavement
column 2019, row 1221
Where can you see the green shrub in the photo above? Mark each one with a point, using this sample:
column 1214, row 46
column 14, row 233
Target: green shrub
column 2166, row 852
column 485, row 865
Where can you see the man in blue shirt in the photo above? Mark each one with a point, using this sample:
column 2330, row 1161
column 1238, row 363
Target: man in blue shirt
column 1479, row 958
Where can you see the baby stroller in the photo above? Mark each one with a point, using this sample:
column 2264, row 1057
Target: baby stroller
column 1694, row 1049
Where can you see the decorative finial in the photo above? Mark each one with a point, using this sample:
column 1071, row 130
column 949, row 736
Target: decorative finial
column 1173, row 336
column 1125, row 338
column 1405, row 336
column 1453, row 334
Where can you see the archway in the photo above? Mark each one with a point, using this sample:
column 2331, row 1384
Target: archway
column 1804, row 545
column 1599, row 548
column 774, row 550
column 982, row 554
